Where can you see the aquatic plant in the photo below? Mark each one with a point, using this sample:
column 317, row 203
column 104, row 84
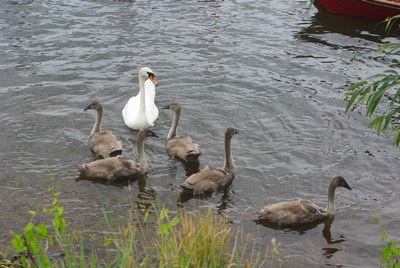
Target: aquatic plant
column 384, row 86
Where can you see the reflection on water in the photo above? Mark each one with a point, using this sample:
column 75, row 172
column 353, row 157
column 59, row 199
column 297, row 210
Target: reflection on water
column 191, row 167
column 362, row 29
column 120, row 182
column 328, row 252
column 224, row 202
column 303, row 228
column 145, row 196
column 327, row 233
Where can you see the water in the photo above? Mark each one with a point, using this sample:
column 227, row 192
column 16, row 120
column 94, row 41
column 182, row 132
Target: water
column 276, row 71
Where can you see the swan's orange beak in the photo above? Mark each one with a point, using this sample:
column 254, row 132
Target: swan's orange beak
column 153, row 79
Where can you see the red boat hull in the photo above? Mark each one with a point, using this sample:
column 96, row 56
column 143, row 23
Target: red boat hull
column 372, row 9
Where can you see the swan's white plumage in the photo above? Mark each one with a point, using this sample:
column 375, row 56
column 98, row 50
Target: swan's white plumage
column 136, row 116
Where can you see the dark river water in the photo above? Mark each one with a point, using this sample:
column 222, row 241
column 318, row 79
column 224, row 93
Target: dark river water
column 275, row 70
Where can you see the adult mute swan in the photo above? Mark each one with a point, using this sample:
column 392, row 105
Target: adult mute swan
column 295, row 213
column 119, row 167
column 209, row 179
column 140, row 111
column 181, row 147
column 102, row 143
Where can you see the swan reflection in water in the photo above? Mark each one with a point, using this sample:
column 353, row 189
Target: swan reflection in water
column 223, row 204
column 302, row 229
column 145, row 196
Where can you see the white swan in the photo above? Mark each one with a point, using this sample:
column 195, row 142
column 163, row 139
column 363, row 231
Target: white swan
column 140, row 111
column 294, row 213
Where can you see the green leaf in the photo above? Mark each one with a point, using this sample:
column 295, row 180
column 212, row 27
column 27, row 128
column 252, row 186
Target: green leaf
column 164, row 213
column 395, row 250
column 33, row 244
column 32, row 213
column 23, row 261
column 353, row 91
column 29, row 226
column 163, row 229
column 43, row 261
column 107, row 240
column 397, row 138
column 375, row 99
column 385, row 253
column 174, row 221
column 376, row 123
column 390, row 22
column 18, row 243
column 41, row 230
column 51, row 240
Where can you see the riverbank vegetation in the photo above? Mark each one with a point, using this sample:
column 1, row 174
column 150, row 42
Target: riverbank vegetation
column 380, row 96
column 390, row 257
column 155, row 238
column 380, row 93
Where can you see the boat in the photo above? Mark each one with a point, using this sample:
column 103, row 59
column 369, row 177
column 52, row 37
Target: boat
column 371, row 9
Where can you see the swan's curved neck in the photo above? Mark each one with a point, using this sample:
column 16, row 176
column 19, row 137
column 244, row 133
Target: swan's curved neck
column 228, row 165
column 142, row 93
column 331, row 198
column 172, row 131
column 97, row 123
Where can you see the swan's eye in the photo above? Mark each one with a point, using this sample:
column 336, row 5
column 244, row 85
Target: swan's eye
column 150, row 75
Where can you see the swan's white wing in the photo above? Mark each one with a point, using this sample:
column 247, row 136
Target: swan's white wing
column 151, row 108
column 131, row 109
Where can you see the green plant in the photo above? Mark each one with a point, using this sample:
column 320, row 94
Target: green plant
column 35, row 239
column 30, row 245
column 152, row 238
column 161, row 238
column 390, row 251
column 196, row 242
column 371, row 91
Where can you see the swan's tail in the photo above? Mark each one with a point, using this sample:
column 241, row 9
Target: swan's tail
column 83, row 169
column 187, row 188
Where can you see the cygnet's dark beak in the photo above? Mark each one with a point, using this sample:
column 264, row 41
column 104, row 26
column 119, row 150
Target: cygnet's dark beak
column 347, row 186
column 165, row 107
column 87, row 108
column 154, row 134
